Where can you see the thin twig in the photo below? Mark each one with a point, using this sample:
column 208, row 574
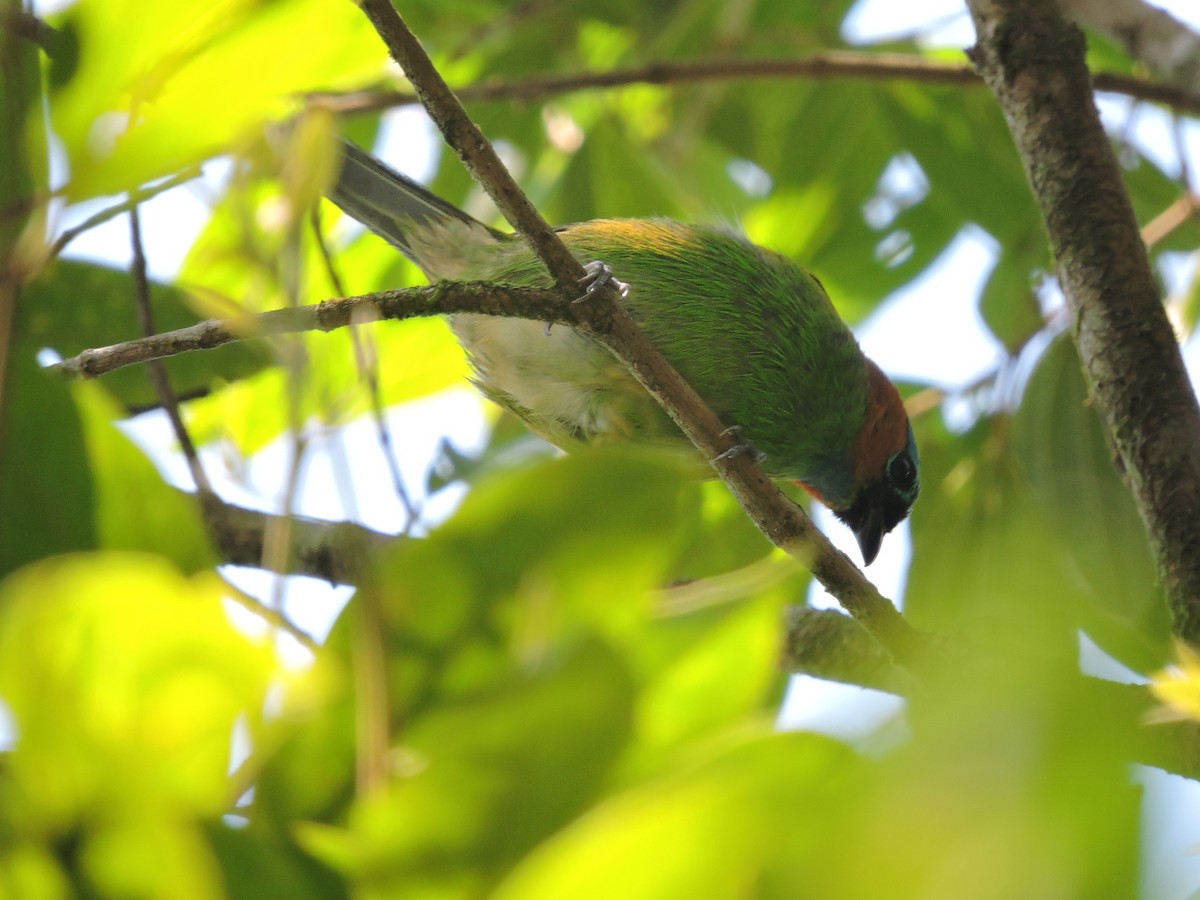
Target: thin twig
column 295, row 360
column 1174, row 216
column 156, row 371
column 373, row 715
column 111, row 212
column 445, row 297
column 30, row 27
column 827, row 66
column 368, row 368
column 274, row 617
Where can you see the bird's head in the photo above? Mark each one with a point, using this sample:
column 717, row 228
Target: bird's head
column 886, row 470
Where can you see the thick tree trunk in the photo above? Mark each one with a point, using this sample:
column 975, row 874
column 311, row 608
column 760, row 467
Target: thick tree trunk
column 1033, row 60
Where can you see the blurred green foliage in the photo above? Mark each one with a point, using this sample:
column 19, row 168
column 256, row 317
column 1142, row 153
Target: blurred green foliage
column 580, row 670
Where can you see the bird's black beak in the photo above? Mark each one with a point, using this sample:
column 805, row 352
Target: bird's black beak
column 875, row 512
column 870, row 535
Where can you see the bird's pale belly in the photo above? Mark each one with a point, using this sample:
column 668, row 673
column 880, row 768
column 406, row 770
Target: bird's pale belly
column 566, row 387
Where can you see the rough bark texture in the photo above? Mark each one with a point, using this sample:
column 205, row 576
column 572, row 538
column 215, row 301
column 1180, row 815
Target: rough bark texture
column 1033, row 60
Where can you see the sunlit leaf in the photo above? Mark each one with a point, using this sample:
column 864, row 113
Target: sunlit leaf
column 488, row 779
column 750, row 814
column 151, row 858
column 238, row 272
column 722, row 537
column 30, row 870
column 159, row 87
column 124, row 680
column 537, row 556
column 708, row 668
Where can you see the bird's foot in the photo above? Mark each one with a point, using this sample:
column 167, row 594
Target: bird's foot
column 598, row 275
column 735, row 431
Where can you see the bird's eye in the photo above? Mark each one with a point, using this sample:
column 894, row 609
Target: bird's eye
column 902, row 472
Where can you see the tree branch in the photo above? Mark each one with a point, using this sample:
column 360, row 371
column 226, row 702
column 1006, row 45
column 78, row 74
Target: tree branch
column 319, row 549
column 445, row 297
column 828, row 66
column 781, row 520
column 29, row 27
column 827, row 644
column 1033, row 60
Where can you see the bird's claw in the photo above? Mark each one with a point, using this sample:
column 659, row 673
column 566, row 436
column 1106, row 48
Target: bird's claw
column 735, row 431
column 598, row 275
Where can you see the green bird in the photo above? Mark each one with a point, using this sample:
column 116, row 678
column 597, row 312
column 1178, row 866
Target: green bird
column 754, row 333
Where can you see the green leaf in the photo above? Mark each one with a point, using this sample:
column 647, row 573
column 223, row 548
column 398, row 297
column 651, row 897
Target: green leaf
column 30, row 870
column 131, row 859
column 1008, row 304
column 750, row 814
column 860, row 262
column 257, row 866
column 537, row 557
column 1062, row 445
column 613, row 175
column 1011, row 767
column 985, row 562
column 161, row 87
column 488, row 779
column 710, row 668
column 1024, row 533
column 941, row 127
column 46, row 485
column 125, row 682
column 535, row 563
column 1188, row 305
column 721, row 538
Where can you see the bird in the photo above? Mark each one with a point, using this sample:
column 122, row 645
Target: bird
column 753, row 332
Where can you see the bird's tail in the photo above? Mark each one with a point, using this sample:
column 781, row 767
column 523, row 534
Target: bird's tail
column 392, row 205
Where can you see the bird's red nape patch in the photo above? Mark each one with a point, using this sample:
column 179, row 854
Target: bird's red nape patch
column 812, row 491
column 884, row 430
